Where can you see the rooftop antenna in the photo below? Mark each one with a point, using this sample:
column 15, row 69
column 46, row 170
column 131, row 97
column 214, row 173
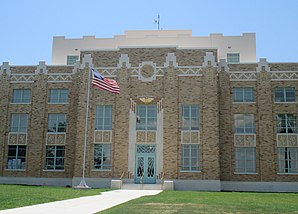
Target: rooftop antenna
column 156, row 21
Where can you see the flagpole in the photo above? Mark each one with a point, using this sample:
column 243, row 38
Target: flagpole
column 83, row 184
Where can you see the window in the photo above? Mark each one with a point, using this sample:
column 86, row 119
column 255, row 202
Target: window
column 58, row 96
column 57, row 123
column 21, row 96
column 233, row 57
column 71, row 60
column 244, row 123
column 190, row 117
column 190, row 157
column 102, row 156
column 16, row 157
column 146, row 117
column 286, row 123
column 288, row 160
column 55, row 157
column 103, row 117
column 19, row 123
column 245, row 160
column 243, row 95
column 285, row 95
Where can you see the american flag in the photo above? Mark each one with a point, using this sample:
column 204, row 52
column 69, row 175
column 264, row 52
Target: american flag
column 104, row 83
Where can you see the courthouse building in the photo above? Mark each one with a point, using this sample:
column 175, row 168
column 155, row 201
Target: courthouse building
column 199, row 111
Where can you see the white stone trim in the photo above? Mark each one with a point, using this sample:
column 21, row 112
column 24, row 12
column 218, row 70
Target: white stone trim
column 286, row 137
column 124, row 58
column 284, row 75
column 147, row 79
column 17, row 137
column 245, row 142
column 5, row 68
column 171, row 60
column 243, row 76
column 56, row 136
column 41, row 68
column 22, row 78
column 209, row 57
column 263, row 63
column 60, row 77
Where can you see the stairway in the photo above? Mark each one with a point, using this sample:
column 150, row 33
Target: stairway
column 130, row 186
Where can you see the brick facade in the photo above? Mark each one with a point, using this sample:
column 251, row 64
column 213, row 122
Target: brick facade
column 188, row 78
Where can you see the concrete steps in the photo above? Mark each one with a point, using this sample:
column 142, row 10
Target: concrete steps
column 142, row 186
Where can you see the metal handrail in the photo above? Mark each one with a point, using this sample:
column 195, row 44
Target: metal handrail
column 121, row 183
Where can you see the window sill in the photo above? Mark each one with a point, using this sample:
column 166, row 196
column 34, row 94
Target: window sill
column 287, row 173
column 101, row 170
column 285, row 102
column 189, row 171
column 16, row 170
column 53, row 170
column 20, row 103
column 244, row 102
column 57, row 103
column 245, row 173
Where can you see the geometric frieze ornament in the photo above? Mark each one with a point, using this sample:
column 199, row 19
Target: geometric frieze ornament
column 56, row 138
column 284, row 75
column 287, row 140
column 245, row 140
column 59, row 77
column 107, row 72
column 243, row 76
column 147, row 71
column 22, row 78
column 102, row 136
column 17, row 138
column 189, row 71
column 190, row 137
column 146, row 136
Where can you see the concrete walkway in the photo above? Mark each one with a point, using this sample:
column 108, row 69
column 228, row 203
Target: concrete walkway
column 83, row 205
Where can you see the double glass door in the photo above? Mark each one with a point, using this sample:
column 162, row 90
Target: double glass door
column 145, row 171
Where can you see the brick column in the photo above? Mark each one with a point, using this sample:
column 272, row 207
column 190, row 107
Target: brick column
column 171, row 116
column 210, row 121
column 4, row 102
column 38, row 126
column 266, row 145
column 225, row 128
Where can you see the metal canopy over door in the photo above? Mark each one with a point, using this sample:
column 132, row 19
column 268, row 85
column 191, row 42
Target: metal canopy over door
column 145, row 164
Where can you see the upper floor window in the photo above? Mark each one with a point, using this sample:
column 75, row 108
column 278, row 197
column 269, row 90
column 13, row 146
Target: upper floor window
column 244, row 123
column 190, row 117
column 286, row 123
column 285, row 94
column 19, row 123
column 58, row 96
column 71, row 60
column 103, row 117
column 57, row 123
column 243, row 94
column 21, row 96
column 233, row 57
column 146, row 117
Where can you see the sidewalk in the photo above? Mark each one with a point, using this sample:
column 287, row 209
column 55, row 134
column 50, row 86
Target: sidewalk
column 83, row 205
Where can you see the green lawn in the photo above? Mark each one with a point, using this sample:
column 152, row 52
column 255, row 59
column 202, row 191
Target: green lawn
column 12, row 196
column 210, row 202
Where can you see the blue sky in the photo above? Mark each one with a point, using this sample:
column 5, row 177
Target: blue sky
column 28, row 26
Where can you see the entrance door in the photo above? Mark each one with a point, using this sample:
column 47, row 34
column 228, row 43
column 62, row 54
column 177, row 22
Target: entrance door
column 145, row 171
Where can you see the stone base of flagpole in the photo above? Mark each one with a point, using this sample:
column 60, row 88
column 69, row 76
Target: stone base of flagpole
column 82, row 185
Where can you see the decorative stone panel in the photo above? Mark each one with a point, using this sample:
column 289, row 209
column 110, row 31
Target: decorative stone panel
column 56, row 138
column 244, row 140
column 146, row 136
column 59, row 78
column 102, row 136
column 287, row 140
column 243, row 76
column 17, row 138
column 284, row 75
column 190, row 137
column 22, row 78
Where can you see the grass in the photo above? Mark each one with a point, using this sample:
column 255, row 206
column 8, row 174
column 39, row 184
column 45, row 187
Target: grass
column 210, row 202
column 12, row 196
